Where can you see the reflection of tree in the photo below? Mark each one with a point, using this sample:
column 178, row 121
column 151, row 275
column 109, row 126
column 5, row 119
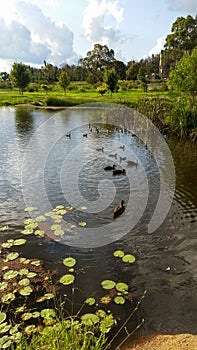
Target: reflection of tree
column 24, row 121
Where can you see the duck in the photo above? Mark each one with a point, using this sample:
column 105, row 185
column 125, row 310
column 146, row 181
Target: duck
column 113, row 155
column 122, row 147
column 100, row 149
column 68, row 135
column 122, row 158
column 85, row 135
column 110, row 167
column 119, row 172
column 132, row 163
column 119, row 209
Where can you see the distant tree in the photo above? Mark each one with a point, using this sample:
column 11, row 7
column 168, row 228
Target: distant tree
column 20, row 76
column 4, row 76
column 63, row 80
column 183, row 76
column 111, row 79
column 120, row 69
column 132, row 71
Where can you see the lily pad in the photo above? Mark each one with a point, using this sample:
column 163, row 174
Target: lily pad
column 30, row 209
column 5, row 342
column 26, row 291
column 4, row 327
column 129, row 258
column 26, row 316
column 23, row 272
column 3, row 285
column 31, row 274
column 49, row 296
column 30, row 329
column 56, row 227
column 106, row 299
column 2, row 317
column 118, row 253
column 59, row 232
column 82, row 223
column 122, row 287
column 58, row 207
column 12, row 256
column 69, row 262
column 7, row 298
column 28, row 221
column 24, row 282
column 7, row 245
column 39, row 233
column 35, row 314
column 41, row 218
column 36, row 262
column 4, row 228
column 119, row 300
column 27, row 232
column 90, row 301
column 67, row 279
column 20, row 241
column 106, row 323
column 47, row 313
column 10, row 274
column 108, row 284
column 89, row 319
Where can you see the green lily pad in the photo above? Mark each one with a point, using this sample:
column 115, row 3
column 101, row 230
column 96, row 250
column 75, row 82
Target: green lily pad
column 7, row 245
column 100, row 313
column 59, row 232
column 5, row 342
column 30, row 329
column 36, row 262
column 41, row 218
column 90, row 301
column 106, row 323
column 14, row 329
column 31, row 274
column 4, row 327
column 29, row 209
column 3, row 285
column 67, row 279
column 2, row 317
column 35, row 314
column 58, row 207
column 12, row 256
column 31, row 226
column 27, row 232
column 24, row 282
column 28, row 221
column 122, row 287
column 26, row 316
column 89, row 319
column 129, row 258
column 119, row 300
column 39, row 233
column 7, row 298
column 69, row 262
column 61, row 212
column 4, row 228
column 49, row 296
column 82, row 223
column 5, row 268
column 49, row 213
column 108, row 284
column 56, row 227
column 20, row 241
column 26, row 291
column 10, row 274
column 118, row 253
column 23, row 272
column 48, row 313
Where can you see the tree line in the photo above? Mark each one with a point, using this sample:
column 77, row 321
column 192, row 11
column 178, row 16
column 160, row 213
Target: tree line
column 102, row 68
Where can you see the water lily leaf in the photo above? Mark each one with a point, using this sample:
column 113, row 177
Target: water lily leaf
column 7, row 298
column 30, row 329
column 89, row 319
column 106, row 299
column 59, row 232
column 58, row 207
column 90, row 301
column 71, row 270
column 5, row 342
column 27, row 232
column 2, row 317
column 20, row 241
column 67, row 279
column 106, row 323
column 10, row 274
column 49, row 213
column 49, row 321
column 20, row 309
column 35, row 314
column 83, row 208
column 16, row 337
column 122, row 287
column 41, row 218
column 4, row 327
column 31, row 274
column 48, row 313
column 4, row 228
column 26, row 291
column 28, row 221
column 7, row 245
column 56, row 227
column 39, row 233
column 24, row 282
column 69, row 208
column 23, row 272
column 108, row 284
column 26, row 316
column 129, row 258
column 49, row 296
column 100, row 313
column 29, row 209
column 36, row 262
column 118, row 253
column 119, row 300
column 69, row 262
column 3, row 285
column 31, row 226
column 14, row 329
column 82, row 223
column 12, row 256
column 5, row 268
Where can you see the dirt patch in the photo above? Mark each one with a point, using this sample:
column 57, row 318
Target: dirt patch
column 167, row 342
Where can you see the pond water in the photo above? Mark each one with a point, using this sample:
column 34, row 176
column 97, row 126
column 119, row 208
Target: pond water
column 41, row 165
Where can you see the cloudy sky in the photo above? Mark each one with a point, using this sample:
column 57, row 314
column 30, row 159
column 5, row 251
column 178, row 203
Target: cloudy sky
column 62, row 31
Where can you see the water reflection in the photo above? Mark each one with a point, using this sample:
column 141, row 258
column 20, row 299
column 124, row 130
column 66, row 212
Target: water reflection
column 24, row 121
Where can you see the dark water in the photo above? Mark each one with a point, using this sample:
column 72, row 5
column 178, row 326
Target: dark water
column 35, row 168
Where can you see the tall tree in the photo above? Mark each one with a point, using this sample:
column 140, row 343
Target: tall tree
column 111, row 79
column 63, row 80
column 20, row 76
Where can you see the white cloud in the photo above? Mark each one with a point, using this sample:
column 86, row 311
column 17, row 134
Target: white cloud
column 158, row 47
column 189, row 6
column 101, row 22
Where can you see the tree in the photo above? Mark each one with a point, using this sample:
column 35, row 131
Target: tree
column 132, row 71
column 102, row 89
column 63, row 80
column 111, row 79
column 20, row 76
column 183, row 76
column 98, row 60
column 4, row 76
column 120, row 69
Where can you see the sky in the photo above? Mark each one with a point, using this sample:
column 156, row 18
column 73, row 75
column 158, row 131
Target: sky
column 62, row 31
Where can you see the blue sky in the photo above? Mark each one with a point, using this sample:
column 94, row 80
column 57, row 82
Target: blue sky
column 62, row 31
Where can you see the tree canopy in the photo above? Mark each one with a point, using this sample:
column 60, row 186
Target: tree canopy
column 20, row 76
